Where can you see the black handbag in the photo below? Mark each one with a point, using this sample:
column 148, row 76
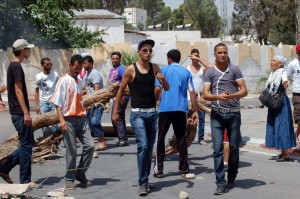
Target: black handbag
column 272, row 100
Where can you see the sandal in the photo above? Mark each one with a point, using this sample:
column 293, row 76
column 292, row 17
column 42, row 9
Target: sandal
column 283, row 159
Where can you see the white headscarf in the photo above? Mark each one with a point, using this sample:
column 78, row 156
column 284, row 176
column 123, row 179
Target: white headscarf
column 275, row 77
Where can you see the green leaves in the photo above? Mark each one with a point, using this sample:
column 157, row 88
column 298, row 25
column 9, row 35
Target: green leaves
column 46, row 23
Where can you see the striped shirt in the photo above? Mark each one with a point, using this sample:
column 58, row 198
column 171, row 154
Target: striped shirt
column 68, row 96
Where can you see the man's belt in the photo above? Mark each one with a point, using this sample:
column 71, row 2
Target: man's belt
column 225, row 110
column 147, row 110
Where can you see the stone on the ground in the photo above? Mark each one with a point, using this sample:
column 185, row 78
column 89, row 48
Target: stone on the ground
column 183, row 195
column 189, row 176
column 13, row 189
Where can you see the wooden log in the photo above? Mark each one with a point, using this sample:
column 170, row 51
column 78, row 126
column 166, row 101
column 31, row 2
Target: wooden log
column 48, row 119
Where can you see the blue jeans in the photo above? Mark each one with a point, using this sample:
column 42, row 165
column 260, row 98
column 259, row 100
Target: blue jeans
column 94, row 119
column 77, row 127
column 23, row 154
column 232, row 122
column 46, row 107
column 144, row 125
column 120, row 126
column 201, row 124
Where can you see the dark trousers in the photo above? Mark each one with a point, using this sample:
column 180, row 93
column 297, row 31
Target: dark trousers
column 178, row 121
column 21, row 155
column 120, row 126
column 232, row 122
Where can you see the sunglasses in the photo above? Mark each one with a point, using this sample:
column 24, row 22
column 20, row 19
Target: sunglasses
column 147, row 50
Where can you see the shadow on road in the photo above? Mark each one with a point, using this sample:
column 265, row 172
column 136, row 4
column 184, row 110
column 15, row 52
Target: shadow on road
column 249, row 183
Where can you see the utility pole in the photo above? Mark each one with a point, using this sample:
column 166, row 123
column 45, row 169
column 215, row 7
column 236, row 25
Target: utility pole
column 223, row 4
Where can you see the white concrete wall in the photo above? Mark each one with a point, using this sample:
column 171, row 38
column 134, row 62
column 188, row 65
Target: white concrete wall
column 134, row 38
column 114, row 28
column 173, row 36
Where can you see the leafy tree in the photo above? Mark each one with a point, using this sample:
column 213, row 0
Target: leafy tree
column 115, row 6
column 47, row 23
column 269, row 20
column 204, row 15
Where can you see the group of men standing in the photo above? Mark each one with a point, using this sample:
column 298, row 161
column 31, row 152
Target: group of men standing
column 222, row 83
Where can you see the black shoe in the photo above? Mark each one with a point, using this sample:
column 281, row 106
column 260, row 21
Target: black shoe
column 230, row 185
column 84, row 181
column 122, row 143
column 158, row 175
column 220, row 191
column 143, row 190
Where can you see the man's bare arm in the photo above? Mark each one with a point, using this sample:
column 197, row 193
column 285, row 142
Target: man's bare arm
column 21, row 100
column 161, row 78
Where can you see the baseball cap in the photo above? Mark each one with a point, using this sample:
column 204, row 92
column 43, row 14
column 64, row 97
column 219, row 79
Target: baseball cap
column 147, row 41
column 21, row 44
column 298, row 48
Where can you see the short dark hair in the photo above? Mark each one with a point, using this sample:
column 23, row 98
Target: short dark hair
column 44, row 59
column 16, row 52
column 116, row 53
column 194, row 50
column 89, row 59
column 77, row 58
column 219, row 45
column 175, row 55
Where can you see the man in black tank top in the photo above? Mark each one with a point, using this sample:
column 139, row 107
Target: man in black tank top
column 140, row 77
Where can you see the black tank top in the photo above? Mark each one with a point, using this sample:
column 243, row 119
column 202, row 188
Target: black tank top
column 142, row 89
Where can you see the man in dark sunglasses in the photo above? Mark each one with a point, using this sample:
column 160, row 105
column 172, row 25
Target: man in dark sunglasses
column 140, row 77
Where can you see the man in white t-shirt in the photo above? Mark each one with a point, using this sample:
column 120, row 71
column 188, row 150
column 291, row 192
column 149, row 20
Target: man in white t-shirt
column 293, row 71
column 45, row 83
column 197, row 68
column 92, row 81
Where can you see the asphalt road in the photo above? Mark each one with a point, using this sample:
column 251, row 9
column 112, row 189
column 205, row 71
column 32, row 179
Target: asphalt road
column 114, row 173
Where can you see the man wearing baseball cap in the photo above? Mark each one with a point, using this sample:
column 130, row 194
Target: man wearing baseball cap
column 293, row 71
column 20, row 115
column 140, row 78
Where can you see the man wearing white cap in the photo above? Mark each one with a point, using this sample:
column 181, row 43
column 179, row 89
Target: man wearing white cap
column 20, row 116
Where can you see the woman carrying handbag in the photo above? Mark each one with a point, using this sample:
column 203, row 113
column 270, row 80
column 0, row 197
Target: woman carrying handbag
column 279, row 127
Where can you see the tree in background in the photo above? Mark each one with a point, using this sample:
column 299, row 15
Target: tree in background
column 268, row 20
column 204, row 16
column 47, row 23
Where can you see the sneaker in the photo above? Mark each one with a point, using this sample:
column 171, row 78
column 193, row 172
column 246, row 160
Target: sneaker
column 202, row 142
column 143, row 190
column 150, row 187
column 82, row 179
column 70, row 185
column 230, row 185
column 220, row 191
column 122, row 143
column 6, row 178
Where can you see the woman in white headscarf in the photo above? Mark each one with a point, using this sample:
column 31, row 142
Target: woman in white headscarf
column 280, row 130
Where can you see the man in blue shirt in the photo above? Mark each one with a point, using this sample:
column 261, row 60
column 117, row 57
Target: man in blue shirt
column 173, row 110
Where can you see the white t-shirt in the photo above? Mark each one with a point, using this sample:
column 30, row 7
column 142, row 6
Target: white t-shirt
column 46, row 84
column 293, row 70
column 68, row 96
column 90, row 79
column 197, row 79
